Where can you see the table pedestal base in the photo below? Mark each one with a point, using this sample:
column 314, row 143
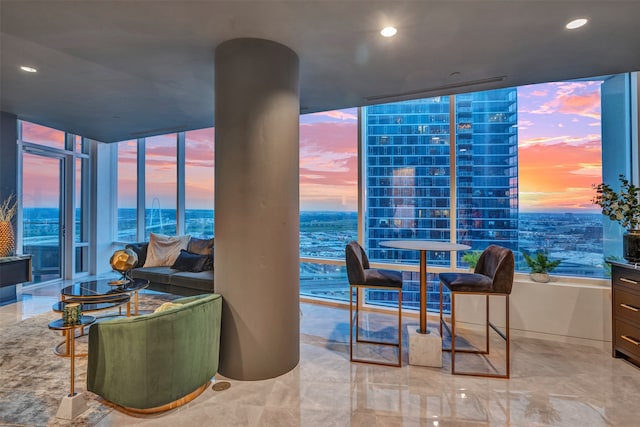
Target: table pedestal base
column 425, row 349
column 72, row 406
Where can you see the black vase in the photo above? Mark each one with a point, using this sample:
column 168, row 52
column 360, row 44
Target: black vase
column 631, row 245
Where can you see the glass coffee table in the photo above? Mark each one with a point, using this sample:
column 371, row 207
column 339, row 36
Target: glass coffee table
column 101, row 294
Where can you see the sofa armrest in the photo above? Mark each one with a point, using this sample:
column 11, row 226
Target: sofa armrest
column 141, row 250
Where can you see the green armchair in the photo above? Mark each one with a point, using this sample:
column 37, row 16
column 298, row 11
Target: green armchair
column 157, row 361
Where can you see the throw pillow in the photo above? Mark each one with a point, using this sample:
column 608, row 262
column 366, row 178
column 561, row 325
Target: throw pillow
column 164, row 250
column 208, row 265
column 166, row 306
column 187, row 261
column 200, row 246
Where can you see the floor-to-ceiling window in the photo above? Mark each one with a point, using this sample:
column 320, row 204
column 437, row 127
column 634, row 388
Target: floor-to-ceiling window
column 160, row 184
column 42, row 212
column 199, row 173
column 524, row 161
column 127, row 187
column 54, row 215
column 82, row 225
column 406, row 149
column 559, row 159
column 328, row 200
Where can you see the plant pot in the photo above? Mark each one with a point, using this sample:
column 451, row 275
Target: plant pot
column 631, row 245
column 540, row 277
column 7, row 239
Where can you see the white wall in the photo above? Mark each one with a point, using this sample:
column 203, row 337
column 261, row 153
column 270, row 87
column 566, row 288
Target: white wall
column 103, row 217
column 565, row 310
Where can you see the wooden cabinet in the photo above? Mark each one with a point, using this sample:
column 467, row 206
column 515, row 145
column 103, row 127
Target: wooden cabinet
column 13, row 270
column 625, row 299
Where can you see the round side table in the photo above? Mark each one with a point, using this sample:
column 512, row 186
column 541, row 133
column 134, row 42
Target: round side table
column 73, row 404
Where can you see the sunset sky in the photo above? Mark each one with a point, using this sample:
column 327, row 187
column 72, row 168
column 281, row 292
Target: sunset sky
column 559, row 146
column 559, row 157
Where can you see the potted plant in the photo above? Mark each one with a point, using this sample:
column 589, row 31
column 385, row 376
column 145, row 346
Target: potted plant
column 622, row 206
column 471, row 258
column 540, row 266
column 7, row 238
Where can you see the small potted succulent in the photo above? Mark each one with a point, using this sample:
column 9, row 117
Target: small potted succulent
column 622, row 206
column 540, row 266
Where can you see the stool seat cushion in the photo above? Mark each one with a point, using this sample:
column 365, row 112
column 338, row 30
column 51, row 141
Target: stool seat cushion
column 381, row 277
column 467, row 282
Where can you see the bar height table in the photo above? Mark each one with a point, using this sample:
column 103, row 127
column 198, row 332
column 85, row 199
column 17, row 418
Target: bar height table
column 423, row 246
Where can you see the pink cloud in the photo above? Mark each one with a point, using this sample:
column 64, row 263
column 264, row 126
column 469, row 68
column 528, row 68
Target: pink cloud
column 328, row 165
column 337, row 114
column 41, row 179
column 205, row 136
column 587, row 105
column 32, row 132
column 571, row 98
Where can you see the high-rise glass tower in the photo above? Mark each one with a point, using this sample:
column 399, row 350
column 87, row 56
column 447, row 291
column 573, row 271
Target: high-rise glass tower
column 408, row 161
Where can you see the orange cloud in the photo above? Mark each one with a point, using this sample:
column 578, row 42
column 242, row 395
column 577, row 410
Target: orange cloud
column 563, row 184
column 587, row 105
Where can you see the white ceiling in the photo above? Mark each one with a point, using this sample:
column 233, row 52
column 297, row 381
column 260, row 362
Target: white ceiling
column 115, row 70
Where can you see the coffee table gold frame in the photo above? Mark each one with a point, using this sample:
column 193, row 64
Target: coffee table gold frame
column 70, row 335
column 87, row 306
column 89, row 292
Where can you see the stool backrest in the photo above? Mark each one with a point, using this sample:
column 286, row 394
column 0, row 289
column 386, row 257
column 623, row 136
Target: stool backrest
column 498, row 263
column 357, row 262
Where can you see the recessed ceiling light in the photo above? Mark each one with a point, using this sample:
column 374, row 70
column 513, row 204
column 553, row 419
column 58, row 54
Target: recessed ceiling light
column 28, row 69
column 576, row 23
column 388, row 31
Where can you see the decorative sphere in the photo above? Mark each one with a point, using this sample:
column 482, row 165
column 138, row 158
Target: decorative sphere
column 123, row 260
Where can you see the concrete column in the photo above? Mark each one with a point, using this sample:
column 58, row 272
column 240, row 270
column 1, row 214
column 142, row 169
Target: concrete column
column 256, row 207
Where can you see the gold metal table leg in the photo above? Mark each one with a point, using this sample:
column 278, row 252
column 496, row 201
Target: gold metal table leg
column 71, row 336
column 423, row 292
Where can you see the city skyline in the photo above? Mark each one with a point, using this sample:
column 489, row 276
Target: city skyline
column 559, row 121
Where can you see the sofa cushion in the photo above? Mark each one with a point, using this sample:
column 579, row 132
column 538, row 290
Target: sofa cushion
column 203, row 247
column 141, row 250
column 153, row 274
column 202, row 281
column 200, row 246
column 167, row 306
column 164, row 250
column 187, row 261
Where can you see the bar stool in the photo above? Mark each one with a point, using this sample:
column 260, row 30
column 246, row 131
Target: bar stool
column 493, row 275
column 361, row 276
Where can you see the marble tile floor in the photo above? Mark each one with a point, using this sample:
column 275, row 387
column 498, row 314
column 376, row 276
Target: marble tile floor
column 552, row 384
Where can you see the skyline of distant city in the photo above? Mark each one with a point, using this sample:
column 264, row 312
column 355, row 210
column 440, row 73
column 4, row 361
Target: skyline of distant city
column 576, row 239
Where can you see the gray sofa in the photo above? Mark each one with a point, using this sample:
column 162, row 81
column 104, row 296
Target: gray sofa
column 167, row 279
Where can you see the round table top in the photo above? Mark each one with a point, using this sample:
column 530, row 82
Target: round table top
column 97, row 303
column 59, row 325
column 101, row 287
column 424, row 245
